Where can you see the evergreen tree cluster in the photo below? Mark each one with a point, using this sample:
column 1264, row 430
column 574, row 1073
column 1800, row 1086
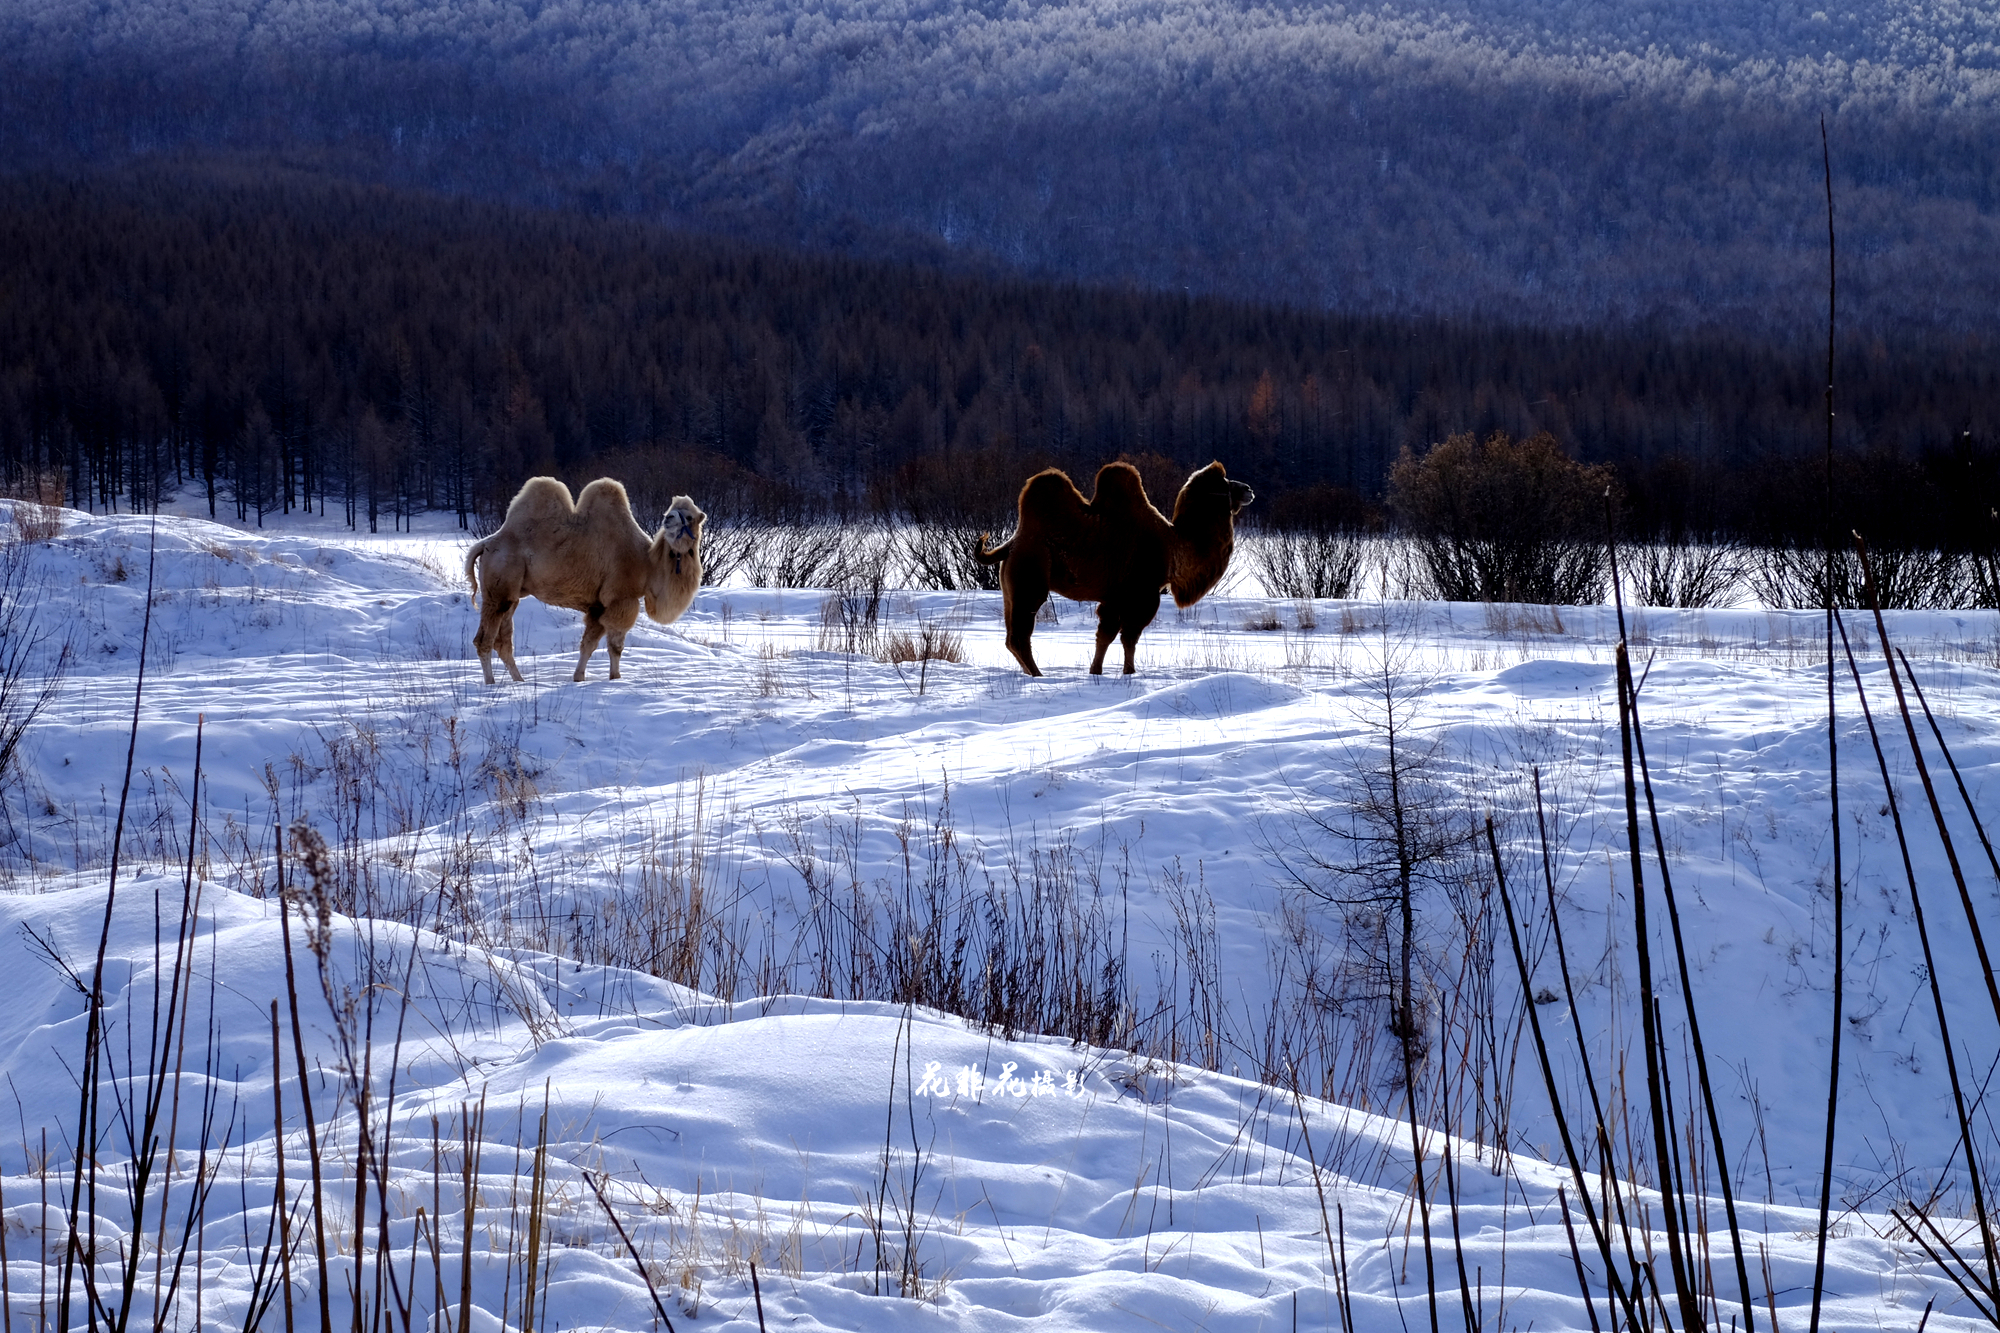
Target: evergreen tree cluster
column 1503, row 160
column 281, row 339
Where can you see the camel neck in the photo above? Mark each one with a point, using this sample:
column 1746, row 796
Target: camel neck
column 1197, row 557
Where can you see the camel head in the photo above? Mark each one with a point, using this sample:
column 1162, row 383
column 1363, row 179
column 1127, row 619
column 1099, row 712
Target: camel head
column 676, row 561
column 1210, row 495
column 680, row 526
column 1204, row 532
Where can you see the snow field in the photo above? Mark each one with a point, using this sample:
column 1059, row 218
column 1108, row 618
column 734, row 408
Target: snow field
column 757, row 816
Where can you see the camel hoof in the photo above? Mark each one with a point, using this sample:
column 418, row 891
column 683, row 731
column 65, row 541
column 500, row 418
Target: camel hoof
column 578, row 677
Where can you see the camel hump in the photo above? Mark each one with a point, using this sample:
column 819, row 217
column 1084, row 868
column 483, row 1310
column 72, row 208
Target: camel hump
column 540, row 499
column 1050, row 493
column 1119, row 488
column 603, row 498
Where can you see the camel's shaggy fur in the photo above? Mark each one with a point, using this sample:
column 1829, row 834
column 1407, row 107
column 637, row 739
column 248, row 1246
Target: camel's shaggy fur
column 590, row 556
column 1114, row 549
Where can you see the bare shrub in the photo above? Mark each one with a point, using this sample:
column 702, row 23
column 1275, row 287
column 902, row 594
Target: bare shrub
column 1685, row 572
column 1502, row 520
column 1263, row 620
column 944, row 501
column 850, row 619
column 1906, row 578
column 34, row 656
column 1306, row 565
column 45, row 487
column 35, row 521
column 798, row 555
column 931, row 642
column 725, row 547
column 939, row 554
column 1983, row 578
column 1370, row 850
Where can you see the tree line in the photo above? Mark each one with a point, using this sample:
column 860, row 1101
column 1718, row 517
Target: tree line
column 276, row 339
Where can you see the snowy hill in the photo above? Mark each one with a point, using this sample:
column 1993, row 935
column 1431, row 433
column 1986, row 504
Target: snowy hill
column 774, row 932
column 1575, row 165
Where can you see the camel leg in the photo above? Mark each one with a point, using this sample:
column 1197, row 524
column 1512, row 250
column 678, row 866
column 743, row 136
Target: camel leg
column 493, row 613
column 1020, row 598
column 593, row 630
column 1108, row 616
column 616, row 622
column 506, row 645
column 1138, row 615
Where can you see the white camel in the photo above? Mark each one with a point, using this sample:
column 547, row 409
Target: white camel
column 590, row 556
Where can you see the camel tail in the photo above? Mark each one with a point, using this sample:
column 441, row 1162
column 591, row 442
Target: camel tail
column 472, row 563
column 994, row 556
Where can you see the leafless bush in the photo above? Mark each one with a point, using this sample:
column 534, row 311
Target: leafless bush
column 939, row 555
column 1375, row 849
column 1502, row 521
column 34, row 656
column 1983, row 568
column 35, row 521
column 931, row 642
column 850, row 619
column 1306, row 565
column 1906, row 578
column 45, row 487
column 829, row 555
column 724, row 549
column 1263, row 620
column 1685, row 572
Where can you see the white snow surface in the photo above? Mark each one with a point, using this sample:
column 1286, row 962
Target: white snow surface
column 1031, row 1179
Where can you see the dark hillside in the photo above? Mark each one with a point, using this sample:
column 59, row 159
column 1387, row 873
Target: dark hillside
column 1512, row 161
column 276, row 336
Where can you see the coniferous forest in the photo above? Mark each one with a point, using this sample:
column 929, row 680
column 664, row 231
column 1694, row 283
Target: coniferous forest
column 275, row 339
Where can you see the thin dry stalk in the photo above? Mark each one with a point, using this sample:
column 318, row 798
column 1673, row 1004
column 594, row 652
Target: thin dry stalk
column 472, row 1127
column 1319, row 1186
column 1651, row 1039
column 85, row 1162
column 1833, row 794
column 1971, row 810
column 633, row 1250
column 278, row 1139
column 537, row 1187
column 1966, row 1142
column 6, row 1292
column 1576, row 1256
column 1693, row 1020
column 1598, row 1232
column 305, row 1093
column 1930, row 790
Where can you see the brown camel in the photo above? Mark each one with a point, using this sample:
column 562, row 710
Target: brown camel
column 1114, row 549
column 590, row 557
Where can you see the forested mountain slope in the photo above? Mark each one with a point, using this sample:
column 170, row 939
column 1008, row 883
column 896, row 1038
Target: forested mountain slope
column 1567, row 164
column 278, row 336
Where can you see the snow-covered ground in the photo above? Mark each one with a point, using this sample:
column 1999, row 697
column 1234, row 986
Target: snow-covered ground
column 526, row 860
